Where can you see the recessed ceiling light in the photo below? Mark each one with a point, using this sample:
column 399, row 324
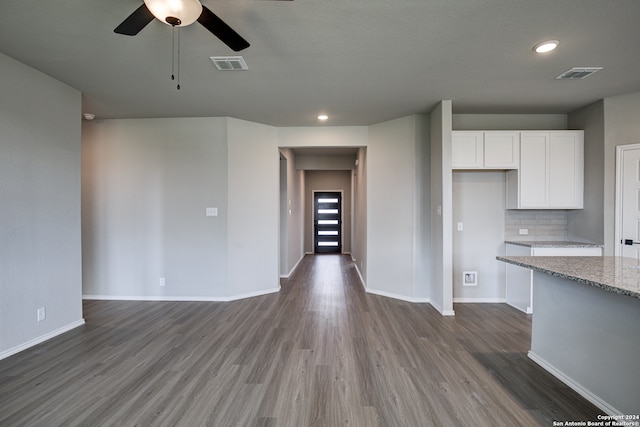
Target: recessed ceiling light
column 546, row 46
column 322, row 117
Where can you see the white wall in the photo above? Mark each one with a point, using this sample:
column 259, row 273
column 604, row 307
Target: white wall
column 359, row 238
column 325, row 162
column 291, row 213
column 252, row 231
column 621, row 127
column 146, row 185
column 479, row 203
column 284, row 207
column 510, row 121
column 588, row 224
column 391, row 207
column 323, row 136
column 441, row 286
column 422, row 217
column 40, row 253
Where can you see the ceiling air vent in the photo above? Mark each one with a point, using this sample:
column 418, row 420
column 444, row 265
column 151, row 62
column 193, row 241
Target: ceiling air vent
column 578, row 73
column 229, row 63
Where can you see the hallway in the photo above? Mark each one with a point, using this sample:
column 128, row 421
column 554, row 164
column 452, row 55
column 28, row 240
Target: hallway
column 321, row 352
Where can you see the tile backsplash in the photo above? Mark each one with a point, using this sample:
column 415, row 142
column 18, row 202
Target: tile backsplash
column 542, row 225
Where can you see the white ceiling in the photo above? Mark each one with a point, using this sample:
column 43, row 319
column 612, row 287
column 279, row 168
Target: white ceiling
column 360, row 61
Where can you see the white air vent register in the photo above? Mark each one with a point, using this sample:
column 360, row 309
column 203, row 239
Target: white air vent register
column 229, row 63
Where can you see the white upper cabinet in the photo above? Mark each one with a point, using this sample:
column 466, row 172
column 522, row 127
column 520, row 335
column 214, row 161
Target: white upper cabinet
column 551, row 173
column 485, row 150
column 467, row 150
column 501, row 150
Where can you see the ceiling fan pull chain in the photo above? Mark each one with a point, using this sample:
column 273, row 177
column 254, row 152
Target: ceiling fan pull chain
column 178, row 64
column 173, row 51
column 175, row 55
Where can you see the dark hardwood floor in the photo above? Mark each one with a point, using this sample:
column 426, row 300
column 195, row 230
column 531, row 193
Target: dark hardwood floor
column 322, row 352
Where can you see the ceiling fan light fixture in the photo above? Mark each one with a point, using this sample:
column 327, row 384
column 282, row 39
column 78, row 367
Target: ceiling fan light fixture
column 178, row 13
column 546, row 46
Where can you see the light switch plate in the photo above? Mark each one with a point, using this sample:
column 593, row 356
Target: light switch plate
column 212, row 212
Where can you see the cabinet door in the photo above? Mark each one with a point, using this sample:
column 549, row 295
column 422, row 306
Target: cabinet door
column 518, row 280
column 566, row 170
column 467, row 149
column 501, row 150
column 533, row 170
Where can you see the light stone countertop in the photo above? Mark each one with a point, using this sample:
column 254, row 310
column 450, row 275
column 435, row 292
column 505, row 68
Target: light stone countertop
column 552, row 244
column 613, row 274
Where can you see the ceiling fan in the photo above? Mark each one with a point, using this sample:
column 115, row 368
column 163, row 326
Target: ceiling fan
column 180, row 13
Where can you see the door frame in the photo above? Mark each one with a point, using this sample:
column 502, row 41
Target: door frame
column 313, row 216
column 620, row 151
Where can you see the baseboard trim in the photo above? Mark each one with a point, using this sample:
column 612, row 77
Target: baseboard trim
column 578, row 388
column 362, row 282
column 480, row 300
column 286, row 276
column 40, row 339
column 399, row 297
column 441, row 310
column 179, row 298
column 529, row 310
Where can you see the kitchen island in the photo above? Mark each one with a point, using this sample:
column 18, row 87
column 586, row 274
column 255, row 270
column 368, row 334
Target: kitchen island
column 586, row 326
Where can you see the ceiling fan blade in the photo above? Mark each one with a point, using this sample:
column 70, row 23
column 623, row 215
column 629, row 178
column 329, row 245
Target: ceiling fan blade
column 135, row 22
column 221, row 30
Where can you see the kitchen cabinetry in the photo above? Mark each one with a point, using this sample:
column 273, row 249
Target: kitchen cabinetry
column 551, row 171
column 519, row 280
column 485, row 150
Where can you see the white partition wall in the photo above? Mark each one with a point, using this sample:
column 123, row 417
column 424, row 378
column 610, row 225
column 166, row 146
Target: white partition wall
column 40, row 249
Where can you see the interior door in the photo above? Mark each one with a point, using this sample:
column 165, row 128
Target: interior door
column 327, row 214
column 628, row 217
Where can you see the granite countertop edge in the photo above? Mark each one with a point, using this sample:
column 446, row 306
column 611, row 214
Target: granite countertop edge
column 552, row 244
column 574, row 278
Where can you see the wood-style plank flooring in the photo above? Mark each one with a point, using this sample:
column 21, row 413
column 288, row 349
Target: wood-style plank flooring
column 321, row 352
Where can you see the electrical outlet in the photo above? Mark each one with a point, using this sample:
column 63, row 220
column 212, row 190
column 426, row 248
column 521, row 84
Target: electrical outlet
column 162, row 281
column 523, row 231
column 42, row 314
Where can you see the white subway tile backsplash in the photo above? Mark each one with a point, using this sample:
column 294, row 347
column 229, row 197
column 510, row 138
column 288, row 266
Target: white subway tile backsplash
column 542, row 225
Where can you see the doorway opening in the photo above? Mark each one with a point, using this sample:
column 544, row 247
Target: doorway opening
column 327, row 222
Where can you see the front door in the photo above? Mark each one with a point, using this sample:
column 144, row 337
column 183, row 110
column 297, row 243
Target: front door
column 628, row 205
column 327, row 221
